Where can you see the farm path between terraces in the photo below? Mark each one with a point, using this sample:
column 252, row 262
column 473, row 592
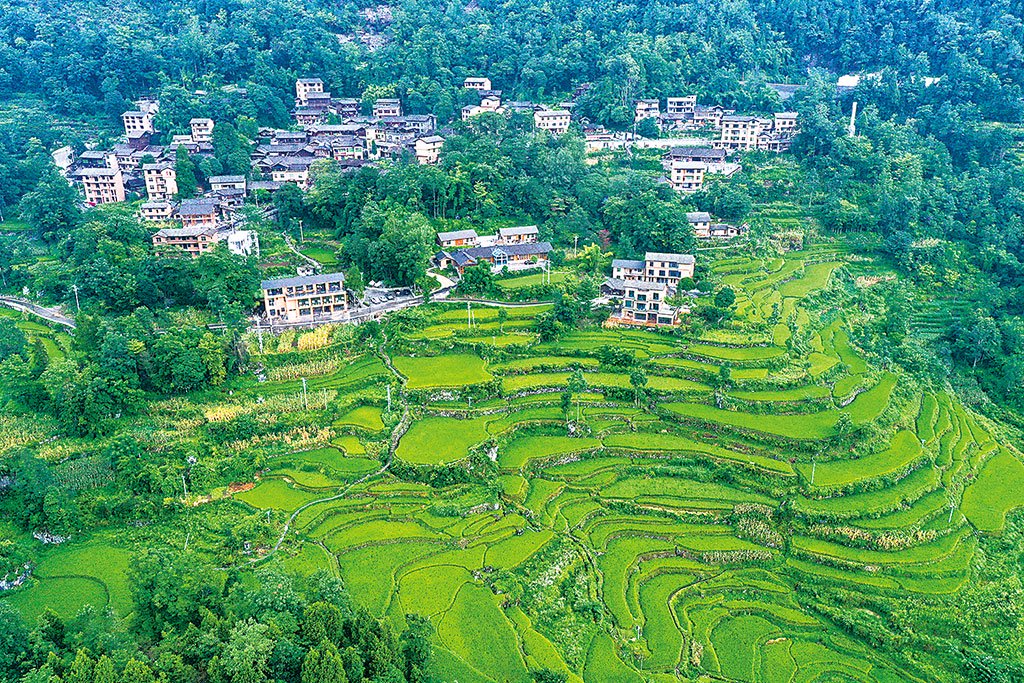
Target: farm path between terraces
column 396, row 435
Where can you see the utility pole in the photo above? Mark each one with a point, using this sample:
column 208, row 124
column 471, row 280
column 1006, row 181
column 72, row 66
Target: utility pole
column 814, row 465
column 305, row 401
column 259, row 334
column 852, row 128
column 78, row 306
column 302, row 238
column 389, row 398
column 575, row 242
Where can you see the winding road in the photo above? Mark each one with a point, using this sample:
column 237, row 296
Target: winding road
column 54, row 315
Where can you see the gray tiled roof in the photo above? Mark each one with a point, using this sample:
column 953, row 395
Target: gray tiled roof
column 632, row 264
column 303, row 280
column 671, row 258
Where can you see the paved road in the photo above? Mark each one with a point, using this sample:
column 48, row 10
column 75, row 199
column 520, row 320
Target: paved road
column 54, row 315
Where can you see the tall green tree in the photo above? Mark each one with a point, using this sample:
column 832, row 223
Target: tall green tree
column 185, row 173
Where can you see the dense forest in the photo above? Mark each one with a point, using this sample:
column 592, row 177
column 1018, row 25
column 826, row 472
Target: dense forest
column 932, row 180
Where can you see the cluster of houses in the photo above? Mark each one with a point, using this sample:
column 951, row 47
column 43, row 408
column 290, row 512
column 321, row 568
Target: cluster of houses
column 514, row 248
column 645, row 288
column 735, row 131
column 688, row 160
column 339, row 125
column 703, row 227
column 554, row 120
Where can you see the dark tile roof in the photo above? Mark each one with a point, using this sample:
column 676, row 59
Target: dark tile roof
column 303, row 280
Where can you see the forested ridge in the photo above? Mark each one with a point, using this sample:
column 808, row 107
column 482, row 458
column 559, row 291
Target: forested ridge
column 166, row 436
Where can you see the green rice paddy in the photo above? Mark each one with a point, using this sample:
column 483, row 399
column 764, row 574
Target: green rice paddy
column 688, row 535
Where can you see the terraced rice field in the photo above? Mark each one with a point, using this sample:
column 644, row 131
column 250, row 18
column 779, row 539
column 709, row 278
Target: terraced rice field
column 687, row 535
column 682, row 579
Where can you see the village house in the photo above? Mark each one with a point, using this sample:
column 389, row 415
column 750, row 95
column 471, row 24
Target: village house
column 428, row 149
column 161, row 180
column 477, row 83
column 319, row 100
column 424, row 124
column 647, row 109
column 101, row 185
column 726, row 231
column 228, row 200
column 645, row 304
column 291, row 169
column 646, row 286
column 305, row 86
column 269, row 186
column 137, row 123
column 96, row 158
column 194, row 240
column 387, row 107
column 555, row 121
column 704, row 155
column 305, row 298
column 704, row 117
column 700, row 223
column 501, row 257
column 741, row 132
column 159, row 210
column 523, row 107
column 347, row 147
column 601, row 140
column 346, row 107
column 197, row 212
column 457, row 238
column 660, row 267
column 524, row 234
column 686, row 176
column 784, row 123
column 391, row 142
column 628, row 269
column 488, row 103
column 308, row 116
column 202, row 130
column 681, row 105
column 227, row 182
column 753, row 132
column 668, row 268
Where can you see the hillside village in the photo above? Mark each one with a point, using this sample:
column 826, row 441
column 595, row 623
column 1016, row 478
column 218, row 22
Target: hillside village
column 677, row 341
column 697, row 142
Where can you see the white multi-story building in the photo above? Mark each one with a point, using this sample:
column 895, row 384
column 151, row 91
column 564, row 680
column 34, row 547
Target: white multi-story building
column 202, row 130
column 428, row 149
column 161, row 180
column 137, row 123
column 304, row 87
column 555, row 121
column 681, row 105
column 477, row 83
column 646, row 286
